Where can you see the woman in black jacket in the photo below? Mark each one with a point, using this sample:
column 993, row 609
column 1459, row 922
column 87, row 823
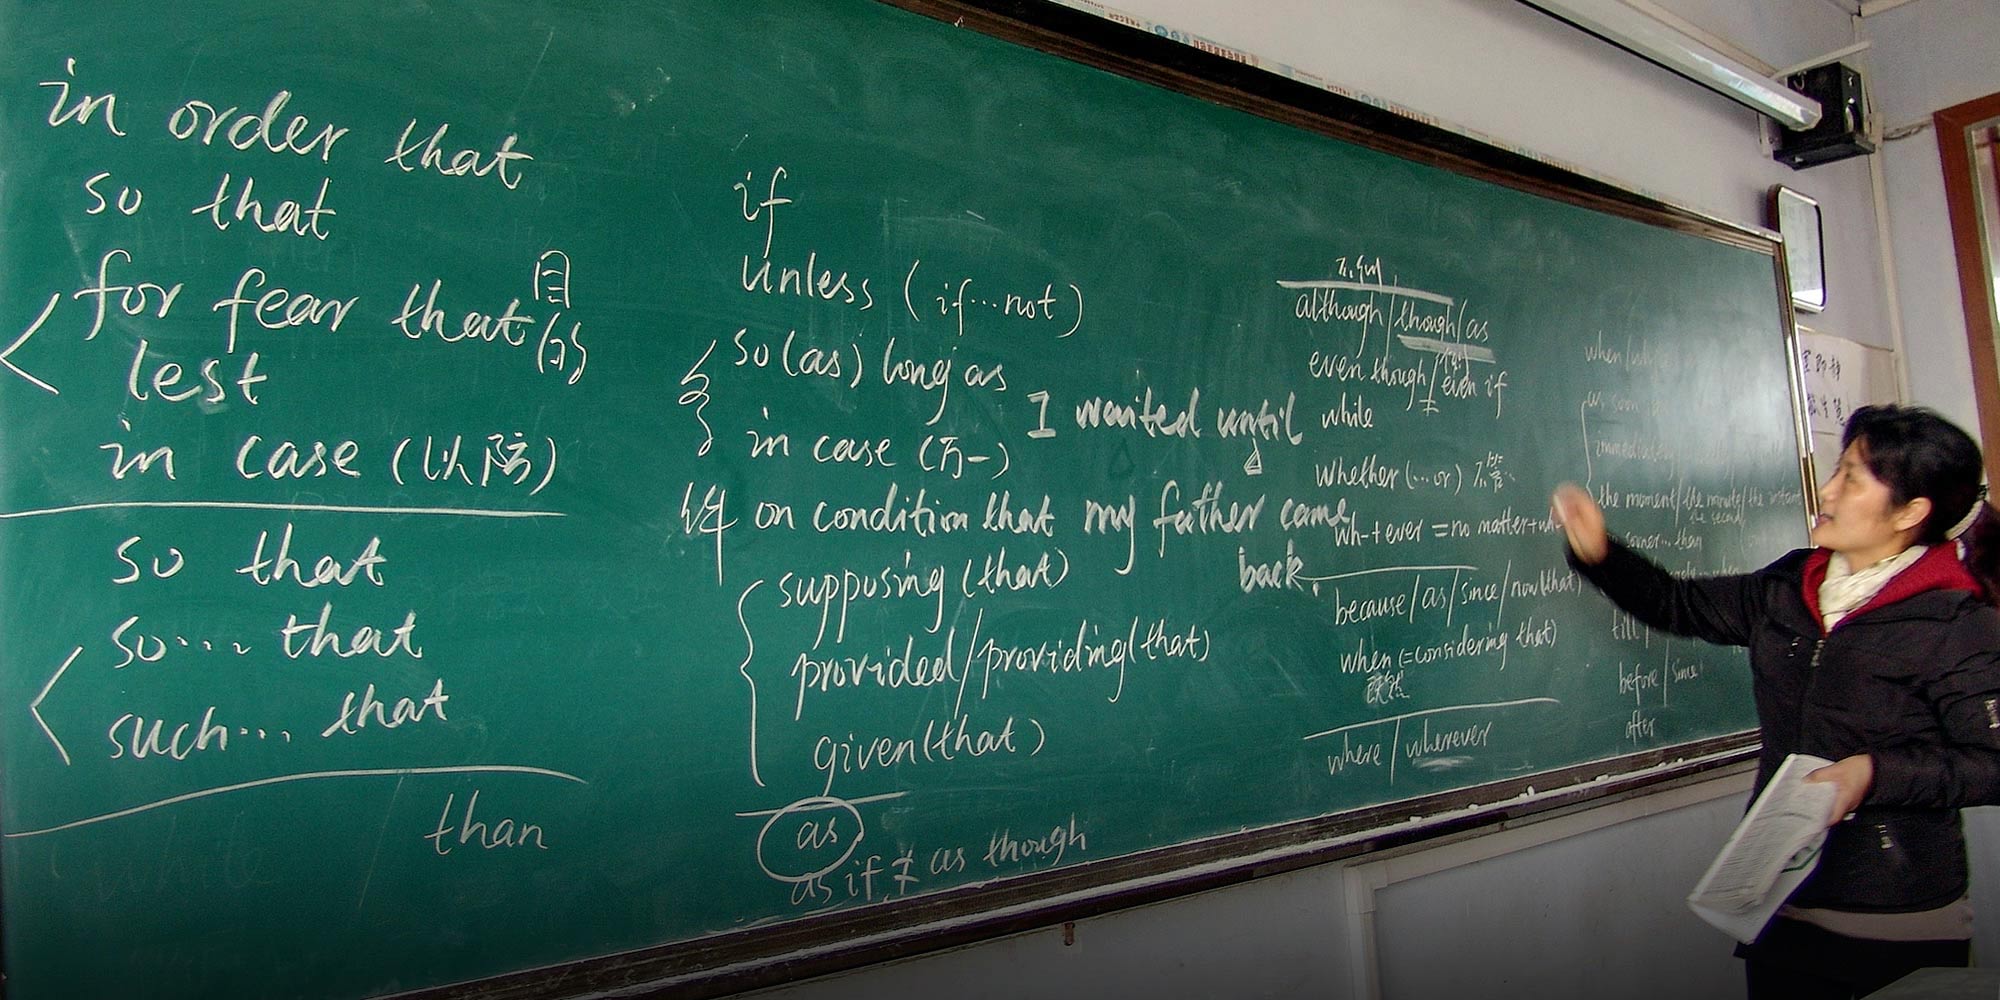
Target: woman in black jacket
column 1876, row 649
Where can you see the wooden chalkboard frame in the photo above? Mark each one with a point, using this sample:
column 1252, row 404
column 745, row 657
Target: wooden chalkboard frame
column 798, row 949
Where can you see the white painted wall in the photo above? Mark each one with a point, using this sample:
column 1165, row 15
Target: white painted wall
column 1579, row 906
column 1925, row 57
column 1600, row 913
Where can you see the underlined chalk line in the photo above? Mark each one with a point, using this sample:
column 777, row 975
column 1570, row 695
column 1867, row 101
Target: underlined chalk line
column 824, row 802
column 245, row 505
column 1384, row 569
column 382, row 772
column 1435, row 711
column 1362, row 286
column 1450, row 348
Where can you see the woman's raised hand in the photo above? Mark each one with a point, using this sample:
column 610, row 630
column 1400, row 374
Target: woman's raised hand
column 1582, row 521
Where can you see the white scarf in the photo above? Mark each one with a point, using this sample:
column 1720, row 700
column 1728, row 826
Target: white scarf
column 1846, row 588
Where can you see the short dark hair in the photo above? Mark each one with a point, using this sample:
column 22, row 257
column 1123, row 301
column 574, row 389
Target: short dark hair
column 1917, row 453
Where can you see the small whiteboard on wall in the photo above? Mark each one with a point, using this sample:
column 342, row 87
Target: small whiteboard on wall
column 1841, row 376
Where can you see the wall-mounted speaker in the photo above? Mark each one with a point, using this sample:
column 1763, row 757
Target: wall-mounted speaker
column 1843, row 125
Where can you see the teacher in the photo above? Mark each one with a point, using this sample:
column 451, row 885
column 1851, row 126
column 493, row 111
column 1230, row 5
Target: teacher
column 1879, row 649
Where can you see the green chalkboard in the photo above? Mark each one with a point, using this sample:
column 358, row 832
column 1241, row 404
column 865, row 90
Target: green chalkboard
column 492, row 485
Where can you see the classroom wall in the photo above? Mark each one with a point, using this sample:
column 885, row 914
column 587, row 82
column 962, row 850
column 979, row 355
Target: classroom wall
column 1597, row 913
column 1925, row 57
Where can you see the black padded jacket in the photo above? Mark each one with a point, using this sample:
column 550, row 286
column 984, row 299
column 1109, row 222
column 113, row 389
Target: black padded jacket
column 1911, row 678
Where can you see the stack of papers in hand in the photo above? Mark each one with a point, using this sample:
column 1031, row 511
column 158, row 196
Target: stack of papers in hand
column 1771, row 852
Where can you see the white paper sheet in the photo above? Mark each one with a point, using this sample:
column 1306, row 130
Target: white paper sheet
column 1773, row 850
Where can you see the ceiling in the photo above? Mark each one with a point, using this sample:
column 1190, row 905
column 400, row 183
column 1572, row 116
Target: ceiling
column 1868, row 8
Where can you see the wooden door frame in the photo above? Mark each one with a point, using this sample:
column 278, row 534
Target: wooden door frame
column 1975, row 280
